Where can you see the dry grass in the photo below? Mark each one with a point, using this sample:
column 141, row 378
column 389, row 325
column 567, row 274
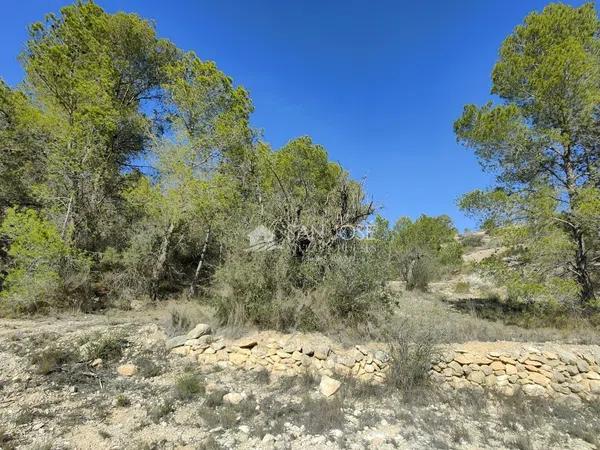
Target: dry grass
column 183, row 315
column 463, row 324
column 188, row 386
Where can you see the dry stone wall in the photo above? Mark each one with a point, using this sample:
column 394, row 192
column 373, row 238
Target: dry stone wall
column 544, row 370
column 549, row 370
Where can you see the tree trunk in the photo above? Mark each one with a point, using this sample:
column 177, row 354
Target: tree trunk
column 582, row 268
column 200, row 263
column 63, row 231
column 581, row 263
column 157, row 271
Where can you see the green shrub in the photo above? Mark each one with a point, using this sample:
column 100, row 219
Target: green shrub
column 188, row 386
column 108, row 347
column 122, row 401
column 42, row 270
column 274, row 290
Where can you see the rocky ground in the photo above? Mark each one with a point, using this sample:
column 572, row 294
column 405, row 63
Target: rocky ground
column 104, row 382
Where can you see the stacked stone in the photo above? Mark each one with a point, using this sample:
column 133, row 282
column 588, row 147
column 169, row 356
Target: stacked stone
column 285, row 355
column 535, row 372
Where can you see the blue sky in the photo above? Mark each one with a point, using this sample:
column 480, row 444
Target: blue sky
column 379, row 84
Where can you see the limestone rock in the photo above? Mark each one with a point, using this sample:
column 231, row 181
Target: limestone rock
column 247, row 342
column 535, row 390
column 322, row 351
column 127, row 370
column 329, row 386
column 233, row 398
column 199, row 330
column 176, row 341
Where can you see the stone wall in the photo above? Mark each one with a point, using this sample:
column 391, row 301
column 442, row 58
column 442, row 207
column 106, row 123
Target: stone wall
column 548, row 370
column 544, row 370
column 288, row 355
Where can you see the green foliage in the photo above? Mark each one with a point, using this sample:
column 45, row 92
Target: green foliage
column 188, row 386
column 43, row 269
column 273, row 289
column 423, row 250
column 541, row 145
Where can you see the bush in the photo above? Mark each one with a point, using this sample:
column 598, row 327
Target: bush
column 108, row 347
column 412, row 349
column 188, row 386
column 425, row 249
column 42, row 270
column 51, row 359
column 273, row 290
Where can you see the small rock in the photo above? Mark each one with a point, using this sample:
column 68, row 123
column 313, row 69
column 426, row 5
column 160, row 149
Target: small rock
column 247, row 342
column 218, row 345
column 199, row 330
column 329, row 386
column 321, row 352
column 127, row 370
column 381, row 356
column 244, row 429
column 233, row 398
column 97, row 362
column 176, row 341
column 268, row 439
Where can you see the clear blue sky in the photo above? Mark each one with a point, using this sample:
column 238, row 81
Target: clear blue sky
column 379, row 84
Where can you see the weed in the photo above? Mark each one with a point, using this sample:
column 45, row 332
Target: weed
column 25, row 416
column 6, row 440
column 215, row 398
column 147, row 367
column 161, row 410
column 108, row 347
column 122, row 401
column 521, row 442
column 262, row 377
column 52, row 359
column 411, row 349
column 460, row 434
column 321, row 415
column 188, row 386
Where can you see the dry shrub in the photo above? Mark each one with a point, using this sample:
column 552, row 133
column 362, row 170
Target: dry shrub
column 413, row 346
column 273, row 290
column 182, row 316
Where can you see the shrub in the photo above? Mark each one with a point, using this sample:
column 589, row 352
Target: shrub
column 161, row 410
column 108, row 347
column 51, row 359
column 412, row 349
column 188, row 386
column 274, row 290
column 42, row 270
column 122, row 401
column 424, row 249
column 462, row 287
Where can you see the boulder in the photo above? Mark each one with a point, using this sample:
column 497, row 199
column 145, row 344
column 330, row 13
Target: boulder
column 199, row 330
column 329, row 386
column 176, row 341
column 535, row 390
